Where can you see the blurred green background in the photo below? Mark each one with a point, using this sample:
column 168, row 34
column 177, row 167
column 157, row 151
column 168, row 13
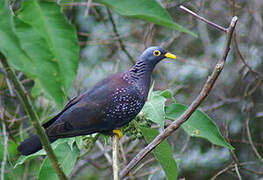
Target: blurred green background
column 235, row 103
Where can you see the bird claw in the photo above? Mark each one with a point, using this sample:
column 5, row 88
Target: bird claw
column 118, row 133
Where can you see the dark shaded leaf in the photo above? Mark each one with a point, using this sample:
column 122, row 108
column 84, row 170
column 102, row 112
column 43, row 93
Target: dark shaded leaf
column 199, row 125
column 162, row 153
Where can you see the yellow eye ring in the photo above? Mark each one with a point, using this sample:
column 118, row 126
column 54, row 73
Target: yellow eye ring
column 156, row 53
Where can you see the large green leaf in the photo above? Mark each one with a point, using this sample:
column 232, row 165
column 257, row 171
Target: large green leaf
column 61, row 37
column 199, row 125
column 154, row 108
column 47, row 53
column 148, row 10
column 9, row 43
column 44, row 68
column 67, row 159
column 162, row 153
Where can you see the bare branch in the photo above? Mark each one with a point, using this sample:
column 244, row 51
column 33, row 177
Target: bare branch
column 237, row 171
column 184, row 117
column 243, row 59
column 117, row 35
column 250, row 139
column 203, row 19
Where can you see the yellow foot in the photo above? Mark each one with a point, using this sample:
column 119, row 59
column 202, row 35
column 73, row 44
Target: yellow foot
column 118, row 132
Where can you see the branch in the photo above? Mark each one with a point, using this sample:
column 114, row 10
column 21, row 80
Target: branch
column 119, row 39
column 32, row 115
column 184, row 117
column 5, row 151
column 243, row 59
column 203, row 19
column 250, row 138
column 115, row 159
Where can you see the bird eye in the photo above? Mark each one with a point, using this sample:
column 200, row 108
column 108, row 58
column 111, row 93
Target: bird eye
column 156, row 53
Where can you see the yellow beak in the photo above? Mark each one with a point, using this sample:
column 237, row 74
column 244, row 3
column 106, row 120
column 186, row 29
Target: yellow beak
column 170, row 55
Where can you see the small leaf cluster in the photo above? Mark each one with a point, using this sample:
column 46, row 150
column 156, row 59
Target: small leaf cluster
column 133, row 129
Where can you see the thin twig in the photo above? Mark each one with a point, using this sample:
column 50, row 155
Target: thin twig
column 115, row 157
column 91, row 145
column 250, row 139
column 5, row 150
column 222, row 171
column 194, row 105
column 140, row 167
column 105, row 153
column 243, row 59
column 88, row 8
column 237, row 171
column 32, row 115
column 203, row 19
column 118, row 35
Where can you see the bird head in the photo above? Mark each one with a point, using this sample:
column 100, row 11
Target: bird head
column 155, row 54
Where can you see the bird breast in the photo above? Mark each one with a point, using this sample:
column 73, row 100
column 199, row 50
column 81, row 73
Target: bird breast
column 125, row 105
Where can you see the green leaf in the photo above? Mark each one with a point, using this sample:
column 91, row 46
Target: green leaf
column 61, row 37
column 79, row 142
column 43, row 68
column 162, row 153
column 148, row 10
column 9, row 44
column 22, row 159
column 41, row 44
column 199, row 125
column 166, row 93
column 154, row 109
column 66, row 158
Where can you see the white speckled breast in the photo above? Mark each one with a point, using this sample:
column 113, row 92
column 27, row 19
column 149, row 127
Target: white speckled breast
column 125, row 105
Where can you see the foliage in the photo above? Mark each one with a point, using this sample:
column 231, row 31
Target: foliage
column 44, row 48
column 148, row 10
column 162, row 153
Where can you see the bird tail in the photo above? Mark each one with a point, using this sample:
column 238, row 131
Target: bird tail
column 31, row 145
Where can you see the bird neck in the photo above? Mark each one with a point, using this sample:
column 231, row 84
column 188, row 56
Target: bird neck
column 140, row 74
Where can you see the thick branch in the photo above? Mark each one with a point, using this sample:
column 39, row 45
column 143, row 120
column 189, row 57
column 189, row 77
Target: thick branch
column 32, row 115
column 184, row 117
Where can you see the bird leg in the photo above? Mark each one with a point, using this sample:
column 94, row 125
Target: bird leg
column 118, row 132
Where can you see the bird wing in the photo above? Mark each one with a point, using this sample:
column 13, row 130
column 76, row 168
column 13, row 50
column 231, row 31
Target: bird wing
column 85, row 115
column 68, row 105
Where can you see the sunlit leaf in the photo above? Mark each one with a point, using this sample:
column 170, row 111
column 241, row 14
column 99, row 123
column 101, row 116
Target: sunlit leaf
column 154, row 109
column 148, row 10
column 9, row 43
column 61, row 37
column 162, row 153
column 44, row 48
column 166, row 93
column 199, row 125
